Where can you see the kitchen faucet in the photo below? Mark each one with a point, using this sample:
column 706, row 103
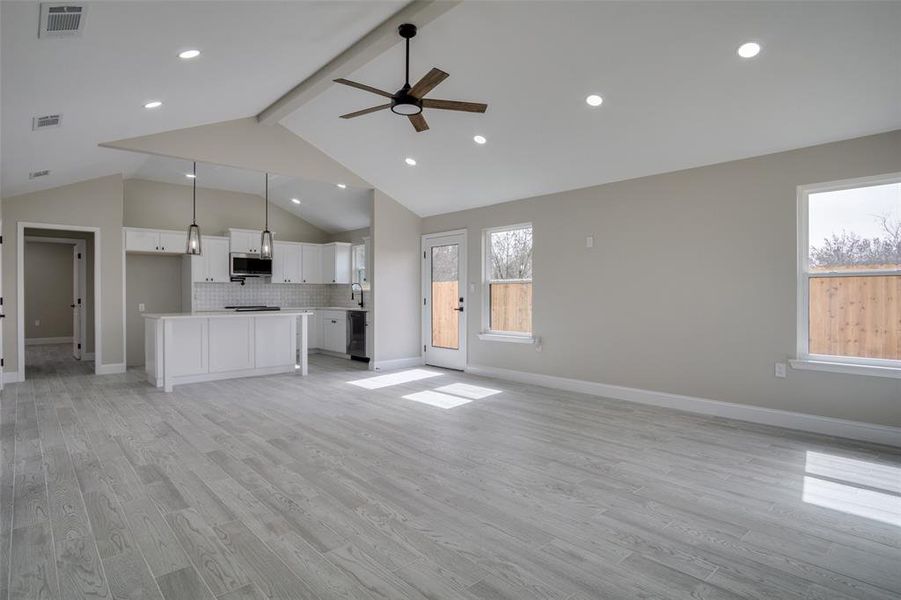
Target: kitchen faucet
column 361, row 293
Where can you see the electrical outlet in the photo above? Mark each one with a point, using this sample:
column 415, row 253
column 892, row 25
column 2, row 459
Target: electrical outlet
column 780, row 370
column 589, row 241
column 141, row 307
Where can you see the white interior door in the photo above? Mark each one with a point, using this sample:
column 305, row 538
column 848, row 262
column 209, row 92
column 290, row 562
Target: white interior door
column 444, row 299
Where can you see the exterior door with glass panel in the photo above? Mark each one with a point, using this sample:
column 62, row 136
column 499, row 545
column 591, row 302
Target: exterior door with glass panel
column 444, row 299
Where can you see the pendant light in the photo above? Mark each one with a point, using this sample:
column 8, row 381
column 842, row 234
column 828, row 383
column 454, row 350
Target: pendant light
column 193, row 245
column 266, row 238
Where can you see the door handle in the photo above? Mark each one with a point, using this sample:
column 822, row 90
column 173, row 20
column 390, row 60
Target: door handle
column 71, row 306
column 459, row 309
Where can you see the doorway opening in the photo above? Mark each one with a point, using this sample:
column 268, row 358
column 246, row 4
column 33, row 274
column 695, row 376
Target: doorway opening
column 57, row 310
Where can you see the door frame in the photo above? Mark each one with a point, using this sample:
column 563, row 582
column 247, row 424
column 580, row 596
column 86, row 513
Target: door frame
column 426, row 289
column 21, row 226
column 80, row 281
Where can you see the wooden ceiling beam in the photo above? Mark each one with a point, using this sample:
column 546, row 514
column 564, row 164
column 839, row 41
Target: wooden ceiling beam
column 371, row 45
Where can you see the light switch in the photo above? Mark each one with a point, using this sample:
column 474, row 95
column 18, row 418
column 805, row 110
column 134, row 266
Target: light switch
column 37, row 323
column 141, row 307
column 780, row 369
column 589, row 241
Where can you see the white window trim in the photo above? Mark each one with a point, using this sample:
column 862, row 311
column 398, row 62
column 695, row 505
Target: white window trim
column 818, row 362
column 486, row 333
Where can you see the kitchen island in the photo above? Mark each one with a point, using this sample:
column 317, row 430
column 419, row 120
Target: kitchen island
column 206, row 346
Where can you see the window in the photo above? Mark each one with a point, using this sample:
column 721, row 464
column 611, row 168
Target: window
column 849, row 275
column 507, row 295
column 358, row 265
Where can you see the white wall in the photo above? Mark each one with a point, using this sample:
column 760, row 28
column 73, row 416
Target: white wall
column 92, row 203
column 690, row 286
column 395, row 281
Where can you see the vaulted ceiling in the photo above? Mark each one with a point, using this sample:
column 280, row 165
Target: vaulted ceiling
column 675, row 93
column 127, row 55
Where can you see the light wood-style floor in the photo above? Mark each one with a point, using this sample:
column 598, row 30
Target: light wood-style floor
column 287, row 487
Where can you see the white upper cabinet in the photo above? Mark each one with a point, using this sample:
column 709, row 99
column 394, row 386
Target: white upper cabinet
column 246, row 241
column 173, row 242
column 286, row 262
column 155, row 241
column 311, row 263
column 336, row 262
column 212, row 265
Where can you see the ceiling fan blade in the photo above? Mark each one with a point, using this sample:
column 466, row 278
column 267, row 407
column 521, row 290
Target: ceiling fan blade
column 455, row 105
column 428, row 82
column 365, row 111
column 418, row 122
column 363, row 86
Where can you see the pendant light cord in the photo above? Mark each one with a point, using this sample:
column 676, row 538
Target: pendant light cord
column 194, row 218
column 267, row 201
column 408, row 62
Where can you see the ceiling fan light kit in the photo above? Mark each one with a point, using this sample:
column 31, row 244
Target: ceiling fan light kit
column 409, row 100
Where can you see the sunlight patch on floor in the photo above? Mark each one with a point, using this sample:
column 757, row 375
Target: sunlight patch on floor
column 382, row 381
column 433, row 398
column 473, row 392
column 835, row 482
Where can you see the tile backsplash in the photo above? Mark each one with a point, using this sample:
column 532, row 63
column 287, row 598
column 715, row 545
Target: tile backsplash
column 214, row 296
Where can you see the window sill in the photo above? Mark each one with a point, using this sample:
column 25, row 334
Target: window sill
column 487, row 336
column 808, row 364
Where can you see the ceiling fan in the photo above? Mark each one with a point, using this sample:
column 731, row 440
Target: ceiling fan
column 409, row 100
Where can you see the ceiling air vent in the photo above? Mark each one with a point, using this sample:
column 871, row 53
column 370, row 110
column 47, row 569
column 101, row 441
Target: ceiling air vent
column 62, row 20
column 46, row 122
column 36, row 174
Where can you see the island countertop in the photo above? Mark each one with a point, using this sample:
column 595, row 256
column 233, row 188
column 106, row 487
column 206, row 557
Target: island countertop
column 216, row 314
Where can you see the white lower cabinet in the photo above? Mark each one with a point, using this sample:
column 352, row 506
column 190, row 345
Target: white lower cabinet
column 273, row 343
column 334, row 331
column 231, row 347
column 314, row 331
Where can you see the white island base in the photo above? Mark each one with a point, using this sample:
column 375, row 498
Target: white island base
column 191, row 347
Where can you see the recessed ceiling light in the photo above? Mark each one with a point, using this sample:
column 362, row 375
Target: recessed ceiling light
column 341, row 185
column 594, row 100
column 186, row 54
column 153, row 104
column 295, row 200
column 190, row 175
column 749, row 50
column 410, row 161
column 479, row 139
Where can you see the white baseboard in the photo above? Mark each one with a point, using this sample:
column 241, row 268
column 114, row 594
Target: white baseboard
column 48, row 340
column 397, row 363
column 856, row 430
column 11, row 377
column 110, row 369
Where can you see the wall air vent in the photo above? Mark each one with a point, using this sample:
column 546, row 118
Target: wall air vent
column 46, row 122
column 61, row 20
column 36, row 174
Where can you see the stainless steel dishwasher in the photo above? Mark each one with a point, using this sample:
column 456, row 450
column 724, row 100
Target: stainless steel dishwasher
column 356, row 335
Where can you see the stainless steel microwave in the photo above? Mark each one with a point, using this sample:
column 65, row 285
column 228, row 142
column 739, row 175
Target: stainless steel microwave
column 241, row 264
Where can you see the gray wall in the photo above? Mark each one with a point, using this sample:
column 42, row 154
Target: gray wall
column 690, row 285
column 92, row 203
column 395, row 280
column 167, row 206
column 156, row 282
column 354, row 236
column 48, row 290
